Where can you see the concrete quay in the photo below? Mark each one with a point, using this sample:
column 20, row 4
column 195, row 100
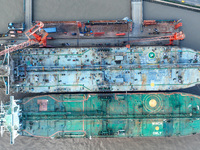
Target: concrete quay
column 137, row 16
column 28, row 13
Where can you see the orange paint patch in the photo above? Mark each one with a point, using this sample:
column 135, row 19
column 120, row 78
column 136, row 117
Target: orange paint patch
column 43, row 104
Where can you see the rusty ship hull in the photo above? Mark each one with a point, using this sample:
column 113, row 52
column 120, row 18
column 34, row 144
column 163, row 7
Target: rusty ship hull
column 42, row 70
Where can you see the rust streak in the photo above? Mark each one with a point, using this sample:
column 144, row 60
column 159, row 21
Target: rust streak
column 54, row 133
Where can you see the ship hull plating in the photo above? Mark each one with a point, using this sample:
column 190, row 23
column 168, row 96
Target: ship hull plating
column 104, row 69
column 111, row 115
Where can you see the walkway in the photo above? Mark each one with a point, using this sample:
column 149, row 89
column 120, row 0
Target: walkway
column 28, row 13
column 137, row 15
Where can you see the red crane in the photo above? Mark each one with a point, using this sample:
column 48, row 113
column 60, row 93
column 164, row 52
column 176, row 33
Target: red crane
column 174, row 37
column 39, row 37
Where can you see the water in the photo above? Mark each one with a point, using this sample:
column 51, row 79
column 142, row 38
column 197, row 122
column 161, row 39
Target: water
column 56, row 10
column 102, row 9
column 10, row 11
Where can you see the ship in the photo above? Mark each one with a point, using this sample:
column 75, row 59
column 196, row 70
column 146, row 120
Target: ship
column 109, row 28
column 112, row 115
column 99, row 69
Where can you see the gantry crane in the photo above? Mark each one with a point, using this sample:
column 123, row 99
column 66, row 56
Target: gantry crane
column 39, row 37
column 174, row 37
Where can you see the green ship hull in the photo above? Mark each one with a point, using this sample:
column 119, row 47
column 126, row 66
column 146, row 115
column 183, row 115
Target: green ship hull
column 109, row 115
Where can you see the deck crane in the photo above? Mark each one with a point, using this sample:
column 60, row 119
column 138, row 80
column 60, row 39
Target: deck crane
column 174, row 37
column 39, row 37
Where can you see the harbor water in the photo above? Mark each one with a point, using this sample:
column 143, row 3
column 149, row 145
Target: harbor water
column 51, row 10
column 10, row 11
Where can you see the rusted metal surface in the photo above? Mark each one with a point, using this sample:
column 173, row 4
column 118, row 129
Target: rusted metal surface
column 104, row 69
column 85, row 29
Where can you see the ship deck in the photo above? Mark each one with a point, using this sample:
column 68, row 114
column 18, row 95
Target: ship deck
column 104, row 69
column 109, row 28
column 95, row 115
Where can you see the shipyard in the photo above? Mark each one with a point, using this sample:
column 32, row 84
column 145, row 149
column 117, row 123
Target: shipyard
column 124, row 77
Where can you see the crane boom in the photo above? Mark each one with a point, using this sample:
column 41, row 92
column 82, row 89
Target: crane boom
column 176, row 36
column 38, row 39
column 34, row 29
column 19, row 46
